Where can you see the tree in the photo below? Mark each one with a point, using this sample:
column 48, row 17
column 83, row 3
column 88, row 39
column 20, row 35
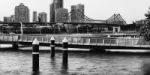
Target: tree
column 148, row 15
column 145, row 30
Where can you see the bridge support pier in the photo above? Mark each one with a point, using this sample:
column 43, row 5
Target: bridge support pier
column 15, row 45
column 116, row 29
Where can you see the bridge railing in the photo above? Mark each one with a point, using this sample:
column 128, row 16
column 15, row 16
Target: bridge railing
column 8, row 38
column 97, row 41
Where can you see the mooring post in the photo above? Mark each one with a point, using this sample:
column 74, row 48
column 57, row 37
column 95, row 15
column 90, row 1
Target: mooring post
column 35, row 56
column 52, row 47
column 65, row 51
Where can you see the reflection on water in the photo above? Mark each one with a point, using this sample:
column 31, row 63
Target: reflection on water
column 129, row 50
column 80, row 63
column 36, row 73
column 146, row 67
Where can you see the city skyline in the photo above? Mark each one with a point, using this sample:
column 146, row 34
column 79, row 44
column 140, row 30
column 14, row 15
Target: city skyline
column 97, row 9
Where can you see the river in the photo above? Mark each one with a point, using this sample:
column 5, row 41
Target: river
column 80, row 63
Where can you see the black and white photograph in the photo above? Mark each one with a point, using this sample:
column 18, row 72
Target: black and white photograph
column 74, row 37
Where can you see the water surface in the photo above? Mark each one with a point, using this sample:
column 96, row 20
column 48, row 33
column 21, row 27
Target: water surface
column 80, row 63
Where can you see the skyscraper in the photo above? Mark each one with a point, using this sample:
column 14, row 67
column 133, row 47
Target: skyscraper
column 12, row 18
column 58, row 4
column 52, row 13
column 77, row 13
column 42, row 17
column 34, row 16
column 9, row 19
column 53, row 7
column 22, row 13
column 61, row 15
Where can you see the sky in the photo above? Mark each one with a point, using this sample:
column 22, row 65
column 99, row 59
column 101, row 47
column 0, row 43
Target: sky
column 130, row 10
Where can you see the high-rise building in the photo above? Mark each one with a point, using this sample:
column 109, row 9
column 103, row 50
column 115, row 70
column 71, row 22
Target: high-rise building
column 77, row 13
column 52, row 13
column 22, row 13
column 12, row 18
column 61, row 15
column 9, row 19
column 58, row 4
column 53, row 7
column 34, row 16
column 42, row 17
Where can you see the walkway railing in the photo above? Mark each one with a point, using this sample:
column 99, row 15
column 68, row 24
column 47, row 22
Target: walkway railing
column 97, row 41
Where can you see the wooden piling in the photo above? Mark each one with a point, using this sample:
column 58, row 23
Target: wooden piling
column 52, row 47
column 65, row 51
column 35, row 56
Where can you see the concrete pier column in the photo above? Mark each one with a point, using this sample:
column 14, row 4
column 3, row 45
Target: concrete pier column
column 116, row 29
column 65, row 52
column 52, row 47
column 35, row 56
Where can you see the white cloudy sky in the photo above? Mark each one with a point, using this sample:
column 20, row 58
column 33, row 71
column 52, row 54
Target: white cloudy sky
column 131, row 10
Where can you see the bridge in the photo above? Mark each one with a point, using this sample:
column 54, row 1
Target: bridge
column 78, row 41
column 116, row 22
